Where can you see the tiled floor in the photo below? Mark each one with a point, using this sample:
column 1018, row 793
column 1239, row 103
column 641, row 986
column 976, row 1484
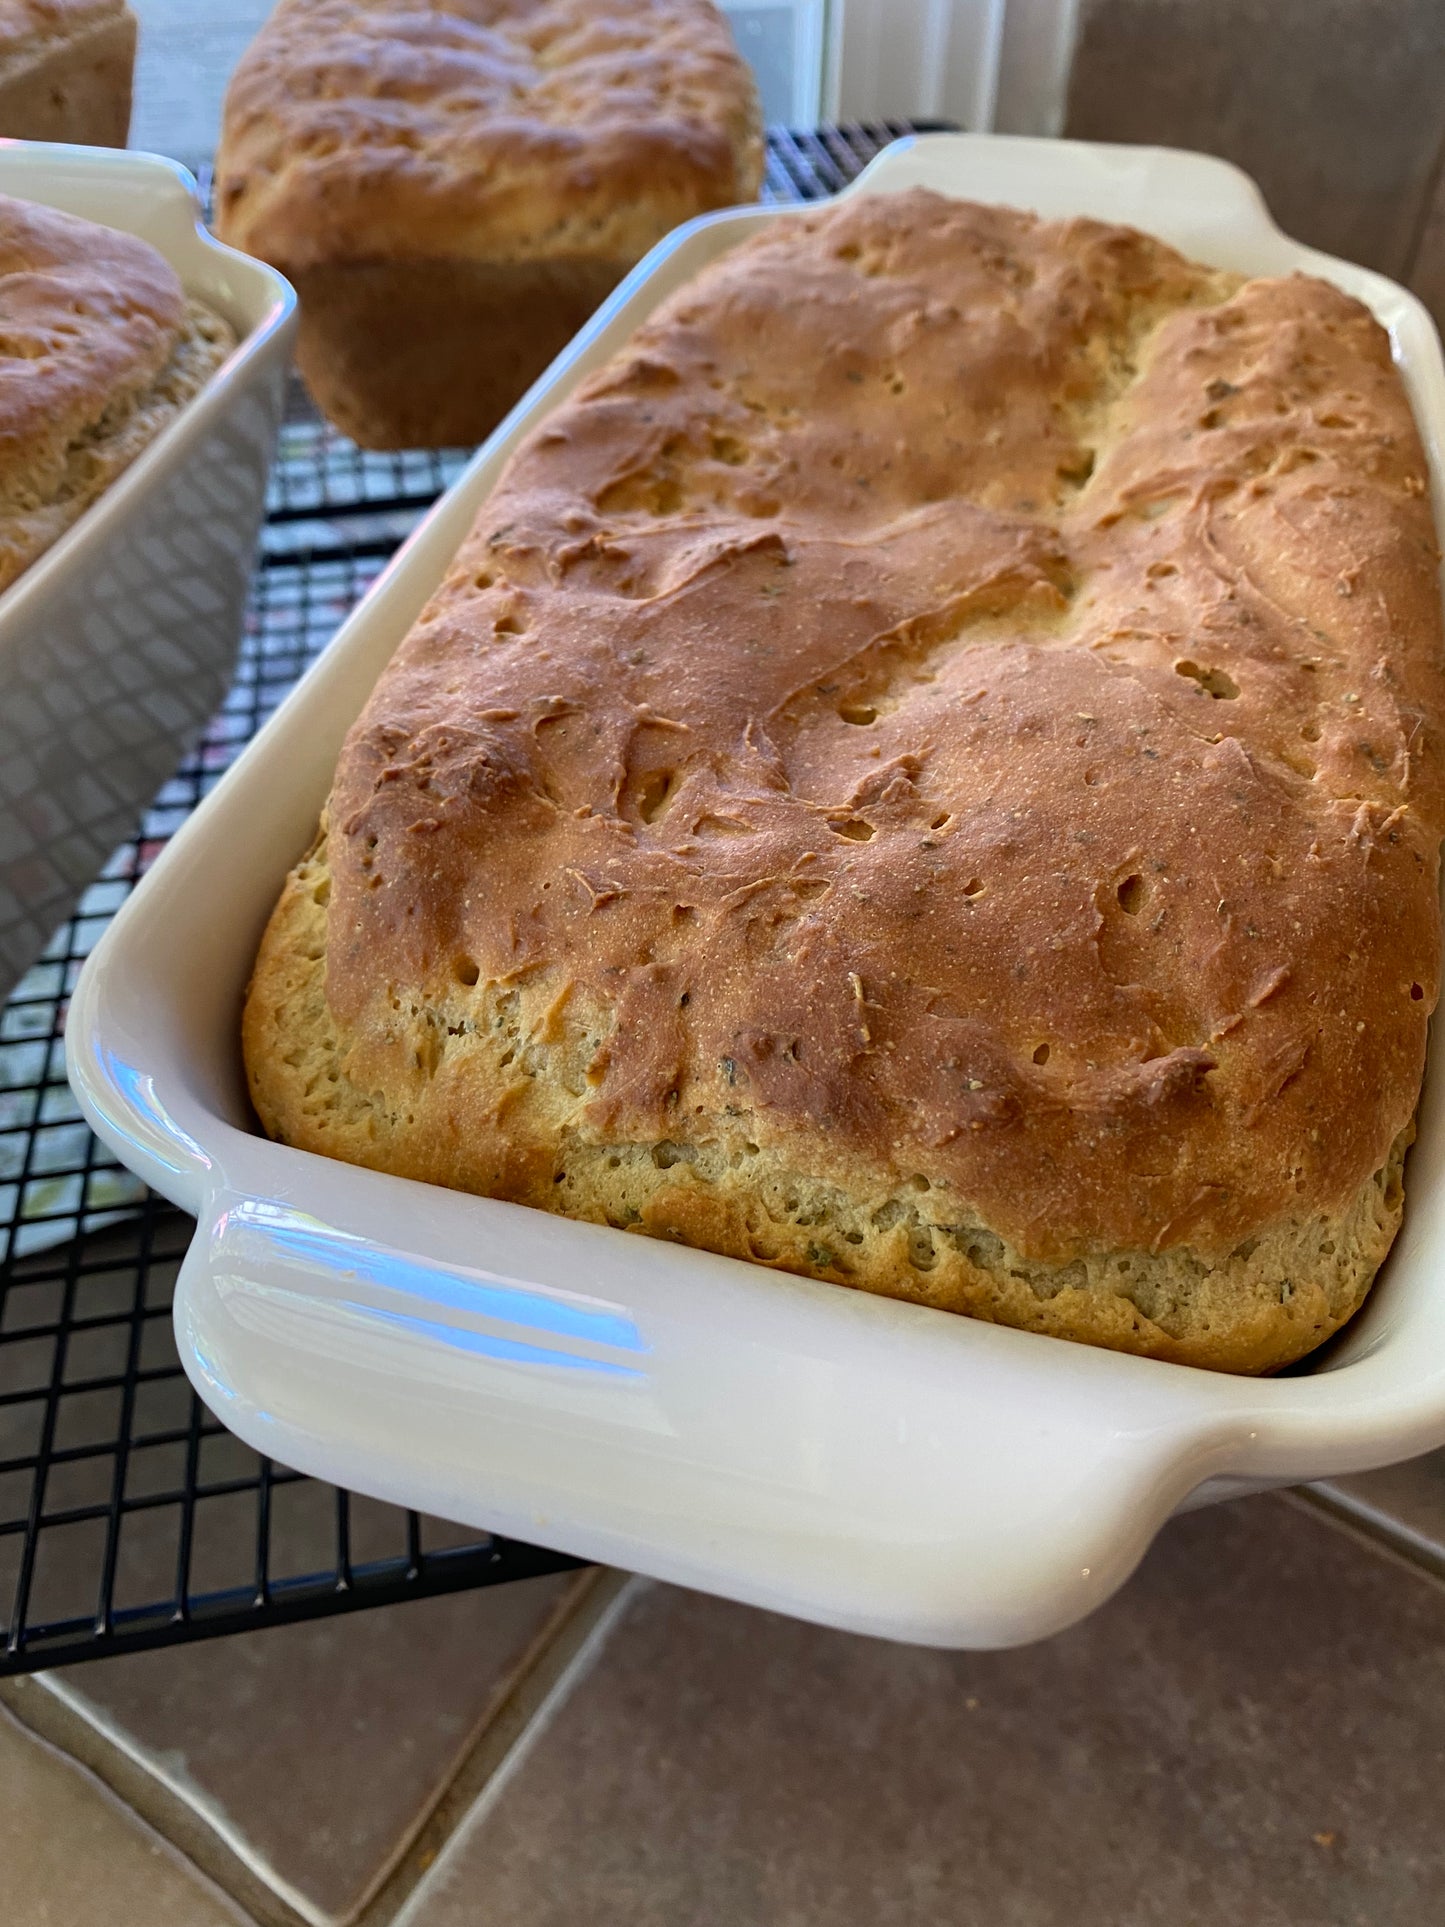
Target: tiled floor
column 71, row 1856
column 1252, row 1731
column 317, row 1748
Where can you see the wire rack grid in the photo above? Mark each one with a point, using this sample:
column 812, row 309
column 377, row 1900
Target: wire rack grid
column 129, row 1516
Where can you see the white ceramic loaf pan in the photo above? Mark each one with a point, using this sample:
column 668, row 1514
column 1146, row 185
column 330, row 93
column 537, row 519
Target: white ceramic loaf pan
column 866, row 1463
column 117, row 644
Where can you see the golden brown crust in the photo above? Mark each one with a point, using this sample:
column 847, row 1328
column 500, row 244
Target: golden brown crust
column 494, row 130
column 99, row 348
column 947, row 724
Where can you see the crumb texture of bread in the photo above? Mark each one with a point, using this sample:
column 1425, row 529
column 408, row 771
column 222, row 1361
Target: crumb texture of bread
column 100, row 347
column 925, row 773
column 66, row 70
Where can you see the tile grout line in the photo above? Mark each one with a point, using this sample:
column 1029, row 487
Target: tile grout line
column 167, row 1803
column 548, row 1657
column 1374, row 1531
column 586, row 1655
column 158, row 1841
column 54, row 1713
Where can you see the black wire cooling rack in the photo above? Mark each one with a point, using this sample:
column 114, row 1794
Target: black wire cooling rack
column 129, row 1516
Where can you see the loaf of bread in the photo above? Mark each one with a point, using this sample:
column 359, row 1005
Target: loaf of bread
column 454, row 185
column 66, row 68
column 926, row 774
column 102, row 348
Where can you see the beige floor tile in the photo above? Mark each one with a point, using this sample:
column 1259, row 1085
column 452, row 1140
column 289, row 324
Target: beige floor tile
column 316, row 1749
column 71, row 1856
column 1251, row 1735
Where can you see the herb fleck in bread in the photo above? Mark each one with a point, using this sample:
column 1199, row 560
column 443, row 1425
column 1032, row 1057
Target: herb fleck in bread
column 926, row 774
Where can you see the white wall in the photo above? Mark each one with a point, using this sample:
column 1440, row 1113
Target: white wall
column 187, row 51
column 983, row 63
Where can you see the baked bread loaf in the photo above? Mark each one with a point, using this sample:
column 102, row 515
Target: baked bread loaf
column 926, row 773
column 66, row 68
column 454, row 185
column 101, row 348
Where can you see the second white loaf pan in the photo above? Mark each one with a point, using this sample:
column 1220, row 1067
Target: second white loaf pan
column 117, row 644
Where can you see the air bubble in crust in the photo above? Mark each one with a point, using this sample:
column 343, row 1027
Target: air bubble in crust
column 1214, row 682
column 654, row 793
